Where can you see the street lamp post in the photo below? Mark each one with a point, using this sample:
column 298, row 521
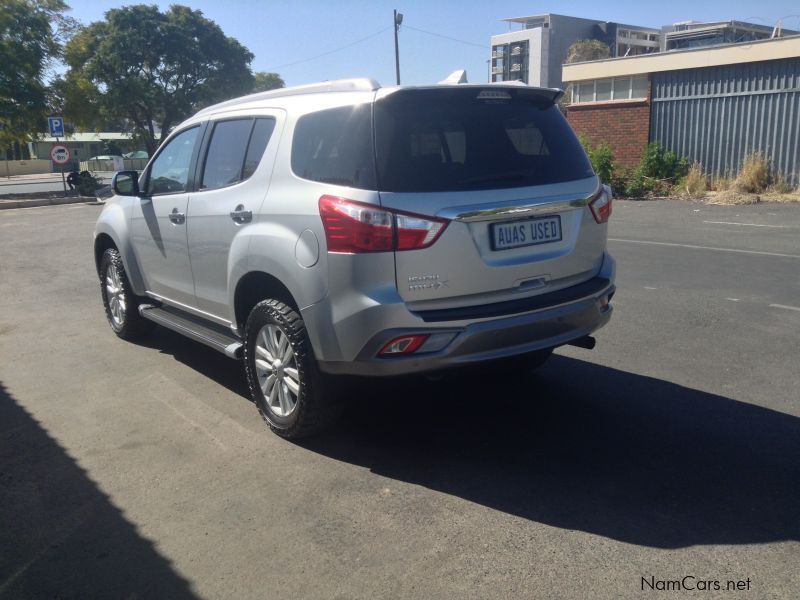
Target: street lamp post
column 398, row 19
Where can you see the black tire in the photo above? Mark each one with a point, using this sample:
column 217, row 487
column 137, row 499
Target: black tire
column 317, row 404
column 131, row 325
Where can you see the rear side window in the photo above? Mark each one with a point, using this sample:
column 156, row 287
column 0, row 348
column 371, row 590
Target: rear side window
column 335, row 146
column 435, row 140
column 235, row 150
column 259, row 139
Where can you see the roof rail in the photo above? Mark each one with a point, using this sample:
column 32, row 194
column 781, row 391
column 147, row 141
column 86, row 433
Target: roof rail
column 360, row 84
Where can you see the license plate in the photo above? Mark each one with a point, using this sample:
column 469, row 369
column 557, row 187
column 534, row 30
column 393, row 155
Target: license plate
column 529, row 232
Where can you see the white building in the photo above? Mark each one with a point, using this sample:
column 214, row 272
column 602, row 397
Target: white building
column 535, row 53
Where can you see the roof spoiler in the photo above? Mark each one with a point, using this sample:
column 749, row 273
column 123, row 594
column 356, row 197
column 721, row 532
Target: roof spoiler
column 460, row 78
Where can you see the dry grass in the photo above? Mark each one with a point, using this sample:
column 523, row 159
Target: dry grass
column 720, row 184
column 779, row 185
column 732, row 197
column 753, row 177
column 793, row 196
column 694, row 185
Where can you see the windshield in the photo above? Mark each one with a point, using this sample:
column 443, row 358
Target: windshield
column 430, row 140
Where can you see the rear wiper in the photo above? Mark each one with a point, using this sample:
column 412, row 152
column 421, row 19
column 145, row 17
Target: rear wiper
column 509, row 176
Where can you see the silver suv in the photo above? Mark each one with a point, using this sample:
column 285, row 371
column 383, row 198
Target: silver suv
column 347, row 229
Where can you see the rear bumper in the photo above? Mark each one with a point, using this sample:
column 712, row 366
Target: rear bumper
column 544, row 327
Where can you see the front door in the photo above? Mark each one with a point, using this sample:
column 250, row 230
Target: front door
column 158, row 222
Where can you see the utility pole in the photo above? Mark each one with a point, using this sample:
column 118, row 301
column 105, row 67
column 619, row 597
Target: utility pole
column 398, row 19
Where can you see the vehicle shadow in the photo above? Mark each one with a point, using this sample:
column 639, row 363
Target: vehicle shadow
column 582, row 446
column 206, row 361
column 60, row 536
column 574, row 445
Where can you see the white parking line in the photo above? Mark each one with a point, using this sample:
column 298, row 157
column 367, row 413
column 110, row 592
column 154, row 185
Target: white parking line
column 786, row 307
column 693, row 247
column 745, row 224
column 732, row 299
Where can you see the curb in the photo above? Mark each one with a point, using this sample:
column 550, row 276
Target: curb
column 4, row 204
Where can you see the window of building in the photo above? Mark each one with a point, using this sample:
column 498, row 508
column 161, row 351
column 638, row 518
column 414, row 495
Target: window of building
column 607, row 90
column 602, row 90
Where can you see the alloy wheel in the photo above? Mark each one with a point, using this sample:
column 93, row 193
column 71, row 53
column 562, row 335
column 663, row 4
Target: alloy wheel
column 276, row 368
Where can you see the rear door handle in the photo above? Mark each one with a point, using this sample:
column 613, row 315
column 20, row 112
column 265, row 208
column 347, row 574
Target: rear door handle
column 177, row 217
column 240, row 215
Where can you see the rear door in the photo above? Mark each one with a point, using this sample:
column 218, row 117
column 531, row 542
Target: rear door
column 503, row 166
column 233, row 178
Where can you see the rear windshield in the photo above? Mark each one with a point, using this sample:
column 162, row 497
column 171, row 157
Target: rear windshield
column 472, row 139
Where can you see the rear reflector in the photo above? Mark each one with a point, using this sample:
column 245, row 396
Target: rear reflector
column 356, row 227
column 601, row 205
column 407, row 344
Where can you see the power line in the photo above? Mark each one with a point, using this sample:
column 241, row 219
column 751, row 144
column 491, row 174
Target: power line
column 297, row 62
column 447, row 37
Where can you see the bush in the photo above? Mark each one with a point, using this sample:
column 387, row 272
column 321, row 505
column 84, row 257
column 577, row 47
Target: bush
column 602, row 159
column 753, row 177
column 693, row 184
column 779, row 185
column 721, row 184
column 657, row 172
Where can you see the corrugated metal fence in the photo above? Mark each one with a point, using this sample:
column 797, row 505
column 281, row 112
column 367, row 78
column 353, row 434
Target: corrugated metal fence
column 718, row 115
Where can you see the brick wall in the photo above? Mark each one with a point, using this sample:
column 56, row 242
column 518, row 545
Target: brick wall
column 624, row 126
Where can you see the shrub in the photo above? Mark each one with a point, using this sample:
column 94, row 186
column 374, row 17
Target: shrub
column 779, row 185
column 619, row 182
column 602, row 159
column 721, row 184
column 657, row 172
column 753, row 177
column 693, row 184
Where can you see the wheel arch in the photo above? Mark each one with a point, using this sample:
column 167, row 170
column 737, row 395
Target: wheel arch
column 255, row 286
column 102, row 242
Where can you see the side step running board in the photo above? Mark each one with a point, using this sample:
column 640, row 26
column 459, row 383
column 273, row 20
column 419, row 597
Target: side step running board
column 214, row 336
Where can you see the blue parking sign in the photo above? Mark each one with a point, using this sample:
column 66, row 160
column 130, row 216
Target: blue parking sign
column 56, row 125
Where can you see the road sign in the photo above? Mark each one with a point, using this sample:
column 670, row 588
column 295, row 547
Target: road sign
column 59, row 154
column 56, row 125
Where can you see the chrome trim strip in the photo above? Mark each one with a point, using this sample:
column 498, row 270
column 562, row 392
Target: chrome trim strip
column 513, row 209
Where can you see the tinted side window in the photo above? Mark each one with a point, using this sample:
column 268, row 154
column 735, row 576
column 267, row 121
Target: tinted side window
column 225, row 156
column 335, row 146
column 258, row 143
column 170, row 170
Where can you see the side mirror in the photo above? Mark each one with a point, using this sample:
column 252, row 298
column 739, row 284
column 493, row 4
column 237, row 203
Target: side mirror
column 126, row 183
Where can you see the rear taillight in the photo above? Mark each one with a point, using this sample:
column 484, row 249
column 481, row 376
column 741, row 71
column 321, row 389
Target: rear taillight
column 355, row 227
column 601, row 205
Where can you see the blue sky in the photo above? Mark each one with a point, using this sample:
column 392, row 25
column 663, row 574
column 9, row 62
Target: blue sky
column 301, row 39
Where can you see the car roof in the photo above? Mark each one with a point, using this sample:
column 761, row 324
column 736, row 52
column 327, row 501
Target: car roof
column 329, row 94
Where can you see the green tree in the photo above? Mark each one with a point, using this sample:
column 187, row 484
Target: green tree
column 153, row 69
column 584, row 50
column 31, row 36
column 267, row 81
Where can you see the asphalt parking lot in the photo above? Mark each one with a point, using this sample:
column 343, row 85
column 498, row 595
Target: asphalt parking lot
column 672, row 450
